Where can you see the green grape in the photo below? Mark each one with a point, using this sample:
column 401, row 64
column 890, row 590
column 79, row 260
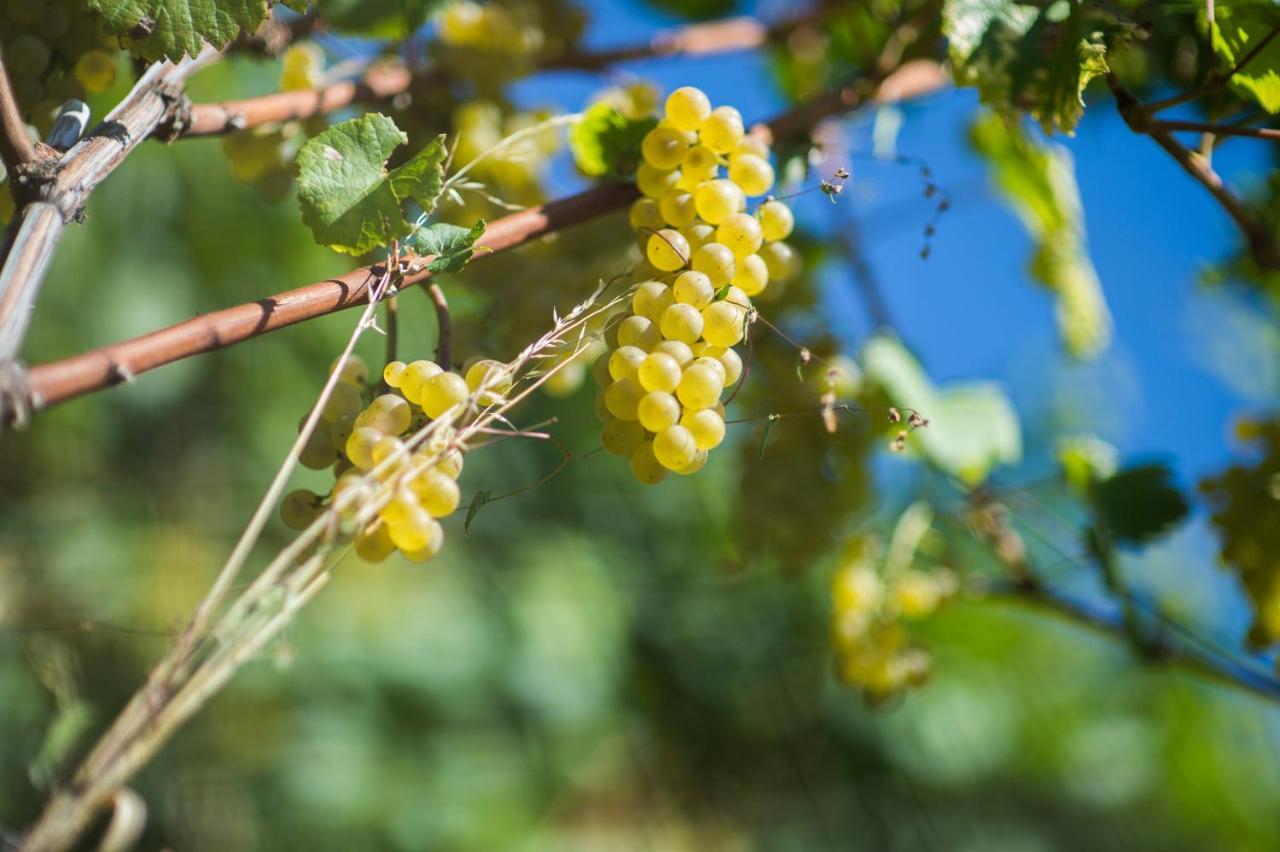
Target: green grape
column 658, row 411
column 639, row 332
column 781, row 259
column 437, row 492
column 659, row 372
column 27, row 56
column 751, row 274
column 462, row 24
column 717, row 200
column 677, row 208
column 340, row 430
column 373, row 544
column 663, row 148
column 645, row 216
column 354, row 370
column 714, row 364
column 677, row 349
column 386, row 447
column 721, row 131
column 300, row 508
column 622, row 398
column 753, row 145
column 433, row 546
column 699, row 387
column 450, row 463
column 706, row 427
column 413, row 530
column 645, row 465
column 353, row 491
column 360, row 446
column 681, row 322
column 442, row 392
column 700, row 163
column 675, row 447
column 699, row 461
column 752, row 173
column 698, row 234
column 729, row 359
column 401, row 505
column 722, row 324
column 494, row 377
column 389, row 414
column 318, row 450
column 415, row 376
column 734, row 296
column 668, row 250
column 741, row 234
column 624, row 362
column 393, row 372
column 565, row 380
column 621, row 437
column 652, row 182
column 776, row 220
column 344, row 400
column 600, row 372
column 651, row 299
column 693, row 288
column 687, row 107
column 301, row 67
column 715, row 261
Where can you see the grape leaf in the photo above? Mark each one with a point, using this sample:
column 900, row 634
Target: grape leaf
column 173, row 28
column 1038, row 181
column 972, row 427
column 1035, row 60
column 606, row 142
column 452, row 245
column 1138, row 503
column 349, row 199
column 1237, row 30
column 391, row 19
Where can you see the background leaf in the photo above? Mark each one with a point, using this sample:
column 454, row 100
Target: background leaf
column 1139, row 503
column 607, row 142
column 179, row 27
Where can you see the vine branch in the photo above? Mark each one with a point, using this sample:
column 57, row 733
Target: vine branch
column 444, row 327
column 15, row 146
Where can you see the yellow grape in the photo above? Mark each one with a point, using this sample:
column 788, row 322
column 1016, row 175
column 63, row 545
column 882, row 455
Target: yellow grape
column 622, row 398
column 639, row 332
column 301, row 65
column 781, row 260
column 354, row 369
column 385, row 448
column 393, row 372
column 676, row 208
column 693, row 288
column 652, row 182
column 717, row 200
column 389, row 414
column 412, row 531
column 741, row 233
column 437, row 492
column 491, row 377
column 700, row 163
column 699, row 461
column 658, row 372
column 698, row 234
column 624, row 362
column 752, row 173
column 722, row 324
column 677, row 349
column 729, row 359
column 600, row 372
column 645, row 216
column 776, row 220
column 721, row 131
column 442, row 392
column 450, row 463
column 751, row 274
column 681, row 322
column 713, row 364
column 400, row 506
column 668, row 250
column 699, row 387
column 657, row 411
column 344, row 400
column 415, row 376
column 374, row 544
column 715, row 261
column 651, row 299
column 751, row 145
column 95, row 70
column 340, row 430
column 300, row 508
column 318, row 450
column 687, row 107
column 621, row 437
column 360, row 446
column 645, row 465
column 674, row 447
column 663, row 148
column 706, row 427
column 432, row 547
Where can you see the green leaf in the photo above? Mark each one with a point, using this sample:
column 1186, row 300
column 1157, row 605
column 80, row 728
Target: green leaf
column 606, row 142
column 1037, row 61
column 174, row 28
column 1038, row 181
column 764, row 435
column 1237, row 29
column 452, row 245
column 391, row 19
column 477, row 503
column 349, row 199
column 972, row 427
column 1138, row 503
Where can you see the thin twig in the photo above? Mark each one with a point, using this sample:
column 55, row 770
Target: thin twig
column 16, row 148
column 444, row 327
column 1216, row 80
column 1268, row 133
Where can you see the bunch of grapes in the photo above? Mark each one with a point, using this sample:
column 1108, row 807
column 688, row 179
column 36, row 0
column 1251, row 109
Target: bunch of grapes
column 672, row 356
column 417, row 480
column 872, row 648
column 490, row 27
column 55, row 50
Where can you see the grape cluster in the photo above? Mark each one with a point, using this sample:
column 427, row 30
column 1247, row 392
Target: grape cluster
column 671, row 356
column 873, row 650
column 489, row 27
column 55, row 51
column 417, row 480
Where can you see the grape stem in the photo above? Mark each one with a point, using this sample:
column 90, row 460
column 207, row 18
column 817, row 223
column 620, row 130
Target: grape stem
column 444, row 326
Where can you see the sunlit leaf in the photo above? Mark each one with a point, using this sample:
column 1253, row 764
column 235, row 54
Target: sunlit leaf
column 607, row 142
column 174, row 28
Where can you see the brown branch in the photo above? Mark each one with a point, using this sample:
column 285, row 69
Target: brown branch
column 15, row 146
column 1269, row 133
column 1262, row 247
column 59, row 381
column 444, row 326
